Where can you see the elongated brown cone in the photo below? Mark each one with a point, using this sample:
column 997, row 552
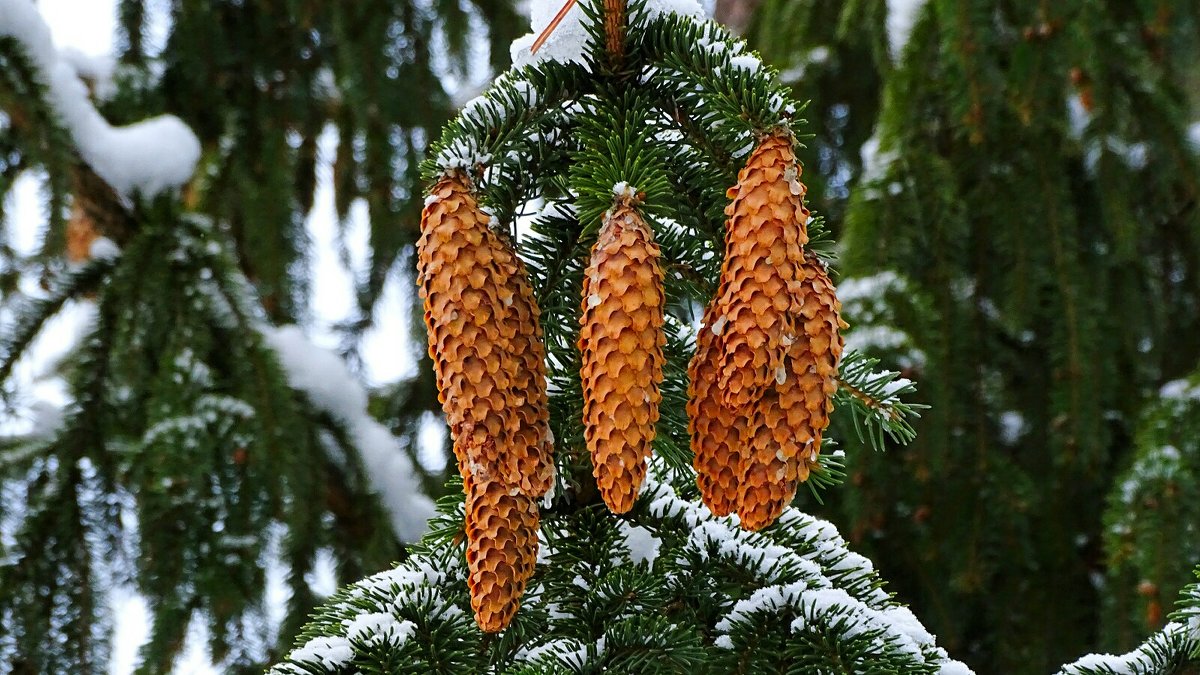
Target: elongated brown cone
column 787, row 423
column 764, row 238
column 751, row 322
column 621, row 341
column 502, row 545
column 716, row 432
column 485, row 341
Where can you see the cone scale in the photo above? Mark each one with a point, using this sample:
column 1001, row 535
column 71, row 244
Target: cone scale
column 621, row 341
column 502, row 544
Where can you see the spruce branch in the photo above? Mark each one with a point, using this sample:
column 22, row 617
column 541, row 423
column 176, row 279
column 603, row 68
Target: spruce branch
column 33, row 314
column 873, row 400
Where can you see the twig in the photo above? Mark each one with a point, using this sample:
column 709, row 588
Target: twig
column 870, row 401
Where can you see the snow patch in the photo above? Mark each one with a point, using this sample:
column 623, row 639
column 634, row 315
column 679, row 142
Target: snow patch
column 328, row 384
column 1012, row 426
column 1180, row 390
column 1078, row 116
column 623, row 190
column 901, row 17
column 379, row 627
column 568, row 42
column 103, row 248
column 746, row 62
column 327, row 652
column 643, row 545
column 875, row 163
column 144, row 158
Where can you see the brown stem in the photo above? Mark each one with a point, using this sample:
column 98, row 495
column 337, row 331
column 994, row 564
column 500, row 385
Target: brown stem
column 614, row 28
column 541, row 39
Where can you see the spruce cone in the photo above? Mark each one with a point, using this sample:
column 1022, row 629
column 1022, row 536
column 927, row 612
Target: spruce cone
column 766, row 359
column 787, row 423
column 485, row 341
column 621, row 342
column 717, row 433
column 755, row 304
column 502, row 545
column 742, row 346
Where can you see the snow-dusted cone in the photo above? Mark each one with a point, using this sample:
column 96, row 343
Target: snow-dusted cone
column 502, row 545
column 716, row 432
column 764, row 237
column 485, row 341
column 787, row 423
column 621, row 341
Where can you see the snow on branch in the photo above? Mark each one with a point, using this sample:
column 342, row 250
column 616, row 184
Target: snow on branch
column 329, row 386
column 568, row 43
column 814, row 581
column 144, row 158
column 1152, row 656
column 817, row 596
column 901, row 18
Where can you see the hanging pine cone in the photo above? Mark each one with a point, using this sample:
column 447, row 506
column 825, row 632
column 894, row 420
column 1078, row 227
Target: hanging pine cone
column 621, row 342
column 764, row 238
column 742, row 345
column 485, row 341
column 787, row 423
column 767, row 354
column 716, row 432
column 502, row 545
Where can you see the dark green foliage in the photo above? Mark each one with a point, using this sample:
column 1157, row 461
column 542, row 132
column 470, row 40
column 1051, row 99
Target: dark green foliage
column 1023, row 172
column 183, row 452
column 665, row 589
column 1152, row 523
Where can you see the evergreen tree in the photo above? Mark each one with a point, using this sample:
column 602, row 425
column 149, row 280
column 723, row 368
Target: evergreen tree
column 205, row 439
column 669, row 586
column 202, row 443
column 1015, row 196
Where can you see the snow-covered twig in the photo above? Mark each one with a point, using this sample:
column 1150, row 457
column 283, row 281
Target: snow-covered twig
column 144, row 158
column 329, row 386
